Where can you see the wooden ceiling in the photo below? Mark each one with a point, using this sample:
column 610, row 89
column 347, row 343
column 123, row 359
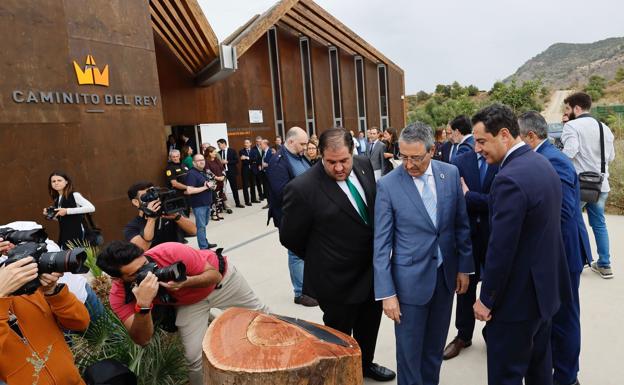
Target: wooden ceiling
column 306, row 18
column 181, row 24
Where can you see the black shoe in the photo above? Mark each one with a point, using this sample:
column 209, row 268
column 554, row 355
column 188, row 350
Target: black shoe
column 306, row 301
column 255, row 201
column 247, row 204
column 378, row 373
column 574, row 383
column 265, row 206
column 240, row 206
column 212, row 245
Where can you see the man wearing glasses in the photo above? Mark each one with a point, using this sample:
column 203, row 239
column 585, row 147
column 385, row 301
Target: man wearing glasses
column 198, row 188
column 422, row 253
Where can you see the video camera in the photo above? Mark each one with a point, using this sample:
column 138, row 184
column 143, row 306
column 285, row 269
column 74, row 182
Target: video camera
column 170, row 202
column 175, row 272
column 31, row 243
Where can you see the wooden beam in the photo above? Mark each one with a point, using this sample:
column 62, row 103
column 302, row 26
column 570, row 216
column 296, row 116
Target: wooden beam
column 201, row 23
column 228, row 40
column 346, row 30
column 312, row 34
column 173, row 50
column 304, row 15
column 159, row 13
column 261, row 25
column 180, row 21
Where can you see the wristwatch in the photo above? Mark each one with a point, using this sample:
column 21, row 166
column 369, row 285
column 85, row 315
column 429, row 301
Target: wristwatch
column 142, row 310
column 177, row 217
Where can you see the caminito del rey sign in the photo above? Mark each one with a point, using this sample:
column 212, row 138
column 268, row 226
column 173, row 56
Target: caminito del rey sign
column 91, row 75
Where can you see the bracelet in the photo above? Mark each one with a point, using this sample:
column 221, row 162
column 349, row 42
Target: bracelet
column 177, row 217
column 147, row 240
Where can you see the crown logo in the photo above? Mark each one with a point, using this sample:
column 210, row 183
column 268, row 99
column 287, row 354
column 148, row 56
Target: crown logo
column 91, row 73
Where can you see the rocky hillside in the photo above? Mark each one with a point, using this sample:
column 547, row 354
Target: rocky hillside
column 564, row 65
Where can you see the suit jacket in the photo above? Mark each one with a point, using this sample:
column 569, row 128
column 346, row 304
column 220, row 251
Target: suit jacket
column 466, row 146
column 476, row 201
column 322, row 227
column 573, row 230
column 245, row 164
column 526, row 274
column 406, row 240
column 279, row 174
column 256, row 160
column 446, row 151
column 268, row 154
column 232, row 159
column 376, row 155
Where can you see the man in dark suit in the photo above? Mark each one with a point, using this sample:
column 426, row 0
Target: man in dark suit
column 247, row 175
column 255, row 161
column 525, row 277
column 229, row 160
column 422, row 253
column 328, row 221
column 477, row 177
column 566, row 333
column 266, row 156
column 462, row 135
column 448, row 146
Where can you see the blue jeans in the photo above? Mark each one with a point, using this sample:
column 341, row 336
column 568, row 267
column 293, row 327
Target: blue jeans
column 295, row 265
column 202, row 216
column 93, row 304
column 595, row 213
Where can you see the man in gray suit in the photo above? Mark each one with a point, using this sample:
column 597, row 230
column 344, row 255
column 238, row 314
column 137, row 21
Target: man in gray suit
column 375, row 152
column 422, row 253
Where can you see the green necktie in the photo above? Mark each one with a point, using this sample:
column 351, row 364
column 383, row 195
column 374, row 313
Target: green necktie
column 358, row 201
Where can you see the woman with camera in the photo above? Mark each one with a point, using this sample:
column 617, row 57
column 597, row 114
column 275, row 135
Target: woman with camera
column 68, row 208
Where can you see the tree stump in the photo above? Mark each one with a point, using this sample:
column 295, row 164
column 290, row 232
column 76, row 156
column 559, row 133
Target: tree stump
column 245, row 347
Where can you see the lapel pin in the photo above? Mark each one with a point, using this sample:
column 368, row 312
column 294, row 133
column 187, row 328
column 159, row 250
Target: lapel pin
column 441, row 176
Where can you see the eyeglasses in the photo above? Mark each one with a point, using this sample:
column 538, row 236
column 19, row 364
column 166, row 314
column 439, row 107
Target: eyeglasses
column 414, row 158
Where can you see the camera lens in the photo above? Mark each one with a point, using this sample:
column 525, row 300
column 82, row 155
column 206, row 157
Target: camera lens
column 71, row 261
column 175, row 272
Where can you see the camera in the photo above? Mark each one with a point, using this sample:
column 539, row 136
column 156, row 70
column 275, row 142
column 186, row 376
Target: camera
column 50, row 212
column 15, row 236
column 175, row 272
column 170, row 202
column 47, row 262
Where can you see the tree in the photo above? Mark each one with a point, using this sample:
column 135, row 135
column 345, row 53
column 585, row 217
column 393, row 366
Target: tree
column 472, row 90
column 518, row 98
column 595, row 87
column 619, row 74
column 444, row 90
column 422, row 96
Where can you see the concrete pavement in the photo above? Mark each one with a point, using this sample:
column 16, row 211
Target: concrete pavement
column 255, row 249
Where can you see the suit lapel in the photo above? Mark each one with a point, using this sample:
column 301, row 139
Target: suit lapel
column 365, row 181
column 407, row 183
column 335, row 194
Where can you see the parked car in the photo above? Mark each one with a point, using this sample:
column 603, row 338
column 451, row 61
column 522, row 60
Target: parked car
column 554, row 134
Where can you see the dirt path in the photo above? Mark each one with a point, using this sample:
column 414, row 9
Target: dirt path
column 554, row 109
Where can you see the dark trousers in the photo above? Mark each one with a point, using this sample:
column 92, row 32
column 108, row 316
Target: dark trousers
column 566, row 336
column 231, row 177
column 421, row 335
column 519, row 350
column 464, row 313
column 258, row 181
column 249, row 185
column 360, row 320
column 265, row 184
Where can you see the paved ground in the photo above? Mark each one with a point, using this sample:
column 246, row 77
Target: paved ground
column 255, row 249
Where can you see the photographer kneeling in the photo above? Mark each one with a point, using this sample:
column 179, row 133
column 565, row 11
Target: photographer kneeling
column 152, row 226
column 32, row 345
column 193, row 281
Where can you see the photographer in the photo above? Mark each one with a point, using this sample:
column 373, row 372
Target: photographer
column 211, row 282
column 199, row 187
column 148, row 231
column 30, row 326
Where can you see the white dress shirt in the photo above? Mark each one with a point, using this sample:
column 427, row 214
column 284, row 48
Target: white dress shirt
column 514, row 148
column 420, row 185
column 581, row 143
column 345, row 188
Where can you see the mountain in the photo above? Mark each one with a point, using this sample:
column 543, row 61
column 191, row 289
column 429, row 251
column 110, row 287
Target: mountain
column 566, row 64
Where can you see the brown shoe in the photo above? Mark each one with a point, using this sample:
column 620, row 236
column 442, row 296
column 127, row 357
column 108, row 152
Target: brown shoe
column 454, row 347
column 306, row 301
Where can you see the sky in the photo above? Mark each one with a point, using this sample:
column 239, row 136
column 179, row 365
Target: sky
column 437, row 42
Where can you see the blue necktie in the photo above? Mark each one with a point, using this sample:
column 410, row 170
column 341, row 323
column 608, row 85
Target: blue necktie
column 430, row 203
column 483, row 166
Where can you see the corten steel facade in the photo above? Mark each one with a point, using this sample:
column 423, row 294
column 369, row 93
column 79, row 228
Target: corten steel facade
column 103, row 146
column 158, row 64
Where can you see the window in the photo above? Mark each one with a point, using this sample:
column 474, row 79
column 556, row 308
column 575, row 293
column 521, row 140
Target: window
column 276, row 82
column 360, row 92
column 334, row 69
column 383, row 95
column 308, row 94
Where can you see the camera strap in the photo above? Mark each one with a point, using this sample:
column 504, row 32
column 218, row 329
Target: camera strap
column 221, row 265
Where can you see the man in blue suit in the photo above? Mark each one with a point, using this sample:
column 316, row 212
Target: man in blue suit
column 476, row 177
column 462, row 135
column 525, row 277
column 566, row 332
column 422, row 253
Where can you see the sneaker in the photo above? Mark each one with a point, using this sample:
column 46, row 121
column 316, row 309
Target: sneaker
column 603, row 272
column 306, row 301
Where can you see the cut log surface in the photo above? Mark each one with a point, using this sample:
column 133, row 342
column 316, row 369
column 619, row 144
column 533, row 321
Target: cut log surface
column 245, row 347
